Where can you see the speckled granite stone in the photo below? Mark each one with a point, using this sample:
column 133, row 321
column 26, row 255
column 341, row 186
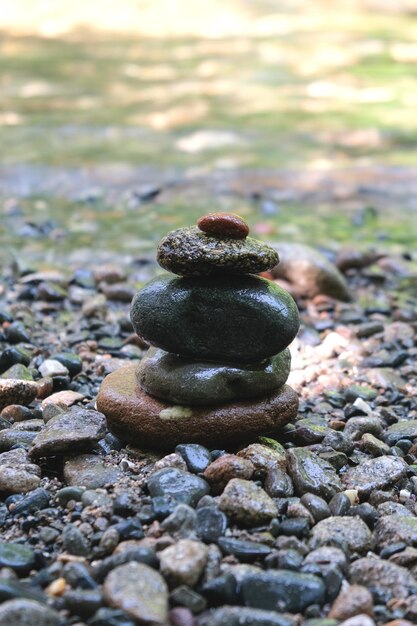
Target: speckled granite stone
column 190, row 252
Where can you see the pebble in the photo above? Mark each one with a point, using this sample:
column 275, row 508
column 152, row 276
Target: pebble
column 358, row 426
column 74, row 542
column 311, row 430
column 20, row 559
column 78, row 428
column 181, row 616
column 288, row 590
column 317, row 506
column 278, row 484
column 378, row 473
column 21, row 612
column 51, row 367
column 182, row 523
column 181, row 486
column 187, row 597
column 71, row 361
column 265, row 457
column 18, row 372
column 310, row 473
column 17, row 474
column 348, row 533
column 358, row 620
column 90, row 471
column 374, row 446
column 140, row 591
column 223, row 225
column 247, row 503
column 211, row 523
column 184, row 562
column 12, row 356
column 190, row 252
column 164, row 313
column 391, row 529
column 10, row 437
column 16, row 413
column 82, row 602
column 14, row 391
column 225, row 468
column 196, row 457
column 385, row 579
column 242, row 616
column 63, row 399
column 309, row 272
column 36, row 500
column 245, row 551
column 404, row 429
column 16, row 333
column 326, row 555
column 352, row 600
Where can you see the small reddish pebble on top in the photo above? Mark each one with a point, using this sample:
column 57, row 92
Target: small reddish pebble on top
column 223, row 225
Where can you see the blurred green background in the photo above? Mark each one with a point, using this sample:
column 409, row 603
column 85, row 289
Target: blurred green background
column 121, row 120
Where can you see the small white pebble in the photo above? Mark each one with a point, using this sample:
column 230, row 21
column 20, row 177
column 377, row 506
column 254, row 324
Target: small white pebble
column 352, row 494
column 51, row 367
column 363, row 406
column 126, row 465
column 405, row 495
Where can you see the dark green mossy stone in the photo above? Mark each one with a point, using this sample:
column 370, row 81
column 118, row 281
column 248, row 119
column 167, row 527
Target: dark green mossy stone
column 184, row 381
column 236, row 319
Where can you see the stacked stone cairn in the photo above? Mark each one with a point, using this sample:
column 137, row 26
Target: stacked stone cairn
column 219, row 360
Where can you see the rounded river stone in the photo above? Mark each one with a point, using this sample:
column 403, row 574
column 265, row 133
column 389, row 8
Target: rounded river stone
column 238, row 319
column 191, row 252
column 142, row 420
column 176, row 379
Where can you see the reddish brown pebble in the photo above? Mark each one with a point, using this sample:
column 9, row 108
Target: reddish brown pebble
column 180, row 616
column 223, row 225
column 224, row 469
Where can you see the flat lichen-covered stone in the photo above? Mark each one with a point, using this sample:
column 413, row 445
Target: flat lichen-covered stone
column 183, row 381
column 191, row 252
column 237, row 319
column 140, row 419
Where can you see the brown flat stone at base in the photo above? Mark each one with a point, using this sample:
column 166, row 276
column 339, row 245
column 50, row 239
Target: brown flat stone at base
column 140, row 419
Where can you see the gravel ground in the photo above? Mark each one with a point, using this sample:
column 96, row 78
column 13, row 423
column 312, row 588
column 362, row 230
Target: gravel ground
column 317, row 526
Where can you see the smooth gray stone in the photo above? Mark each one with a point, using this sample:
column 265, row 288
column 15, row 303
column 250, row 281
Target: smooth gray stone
column 237, row 319
column 179, row 380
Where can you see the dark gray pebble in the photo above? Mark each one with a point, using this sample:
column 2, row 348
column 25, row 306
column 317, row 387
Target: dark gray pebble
column 11, row 356
column 19, row 558
column 83, row 602
column 246, row 551
column 221, row 590
column 36, row 500
column 74, row 542
column 185, row 596
column 181, row 486
column 290, row 591
column 70, row 360
column 242, row 616
column 140, row 554
column 211, row 523
column 111, row 617
column 197, row 457
column 317, row 506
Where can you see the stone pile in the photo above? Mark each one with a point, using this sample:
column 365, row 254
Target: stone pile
column 219, row 360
